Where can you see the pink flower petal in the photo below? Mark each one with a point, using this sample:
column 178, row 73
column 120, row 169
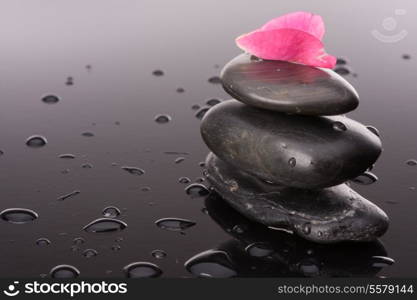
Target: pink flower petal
column 304, row 21
column 287, row 44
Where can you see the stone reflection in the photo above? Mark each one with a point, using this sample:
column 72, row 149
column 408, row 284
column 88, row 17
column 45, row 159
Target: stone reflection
column 256, row 251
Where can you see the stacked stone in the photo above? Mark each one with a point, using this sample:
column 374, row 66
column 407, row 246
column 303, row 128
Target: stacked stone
column 282, row 152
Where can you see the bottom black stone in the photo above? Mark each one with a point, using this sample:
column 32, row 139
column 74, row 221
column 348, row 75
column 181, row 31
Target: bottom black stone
column 328, row 215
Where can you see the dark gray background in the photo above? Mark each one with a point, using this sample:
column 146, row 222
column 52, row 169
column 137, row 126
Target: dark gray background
column 43, row 42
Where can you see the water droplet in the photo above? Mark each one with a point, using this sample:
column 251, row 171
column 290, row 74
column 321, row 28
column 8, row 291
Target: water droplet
column 111, row 212
column 174, row 224
column 64, row 271
column 158, row 73
column 179, row 159
column 142, row 270
column 195, row 107
column 69, row 195
column 309, row 268
column 406, row 56
column 180, row 90
column 366, row 178
column 213, row 101
column 382, row 261
column 75, row 248
column 116, row 247
column 134, row 170
column 87, row 134
column 197, row 190
column 411, row 162
column 342, row 70
column 78, row 241
column 145, row 189
column 239, row 229
column 215, row 80
column 65, row 171
column 373, row 129
column 88, row 67
column 159, row 254
column 67, row 156
column 259, row 250
column 200, row 179
column 341, row 61
column 18, row 215
column 339, row 126
column 306, row 228
column 36, row 141
column 211, row 263
column 43, row 242
column 50, row 99
column 70, row 80
column 201, row 112
column 88, row 253
column 184, row 180
column 86, row 166
column 105, row 225
column 162, row 119
column 292, row 162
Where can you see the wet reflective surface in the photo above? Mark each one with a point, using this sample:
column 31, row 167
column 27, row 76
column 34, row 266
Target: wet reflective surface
column 105, row 117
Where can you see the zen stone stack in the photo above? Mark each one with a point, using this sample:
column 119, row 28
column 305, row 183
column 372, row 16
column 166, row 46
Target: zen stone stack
column 282, row 152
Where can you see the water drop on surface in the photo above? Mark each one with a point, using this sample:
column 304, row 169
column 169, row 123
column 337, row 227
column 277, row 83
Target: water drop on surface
column 259, row 250
column 67, row 156
column 366, row 178
column 87, row 134
column 180, row 90
column 86, row 166
column 179, row 160
column 116, row 247
column 43, row 242
column 382, row 261
column 159, row 254
column 70, row 80
column 69, row 195
column 18, row 215
column 105, row 225
column 133, row 170
column 341, row 61
column 145, row 189
column 174, row 224
column 342, row 70
column 406, row 56
column 211, row 263
column 195, row 107
column 197, row 190
column 142, row 270
column 64, row 271
column 111, row 212
column 215, row 80
column 201, row 112
column 36, row 141
column 78, row 241
column 306, row 228
column 238, row 229
column 158, row 73
column 339, row 126
column 292, row 162
column 88, row 253
column 373, row 129
column 411, row 162
column 212, row 102
column 162, row 119
column 50, row 99
column 309, row 268
column 184, row 180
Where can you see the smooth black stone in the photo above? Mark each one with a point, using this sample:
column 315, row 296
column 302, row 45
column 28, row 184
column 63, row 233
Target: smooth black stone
column 292, row 150
column 328, row 215
column 287, row 255
column 288, row 87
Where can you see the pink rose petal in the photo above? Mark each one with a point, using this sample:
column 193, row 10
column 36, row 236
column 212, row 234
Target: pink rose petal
column 294, row 37
column 304, row 21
